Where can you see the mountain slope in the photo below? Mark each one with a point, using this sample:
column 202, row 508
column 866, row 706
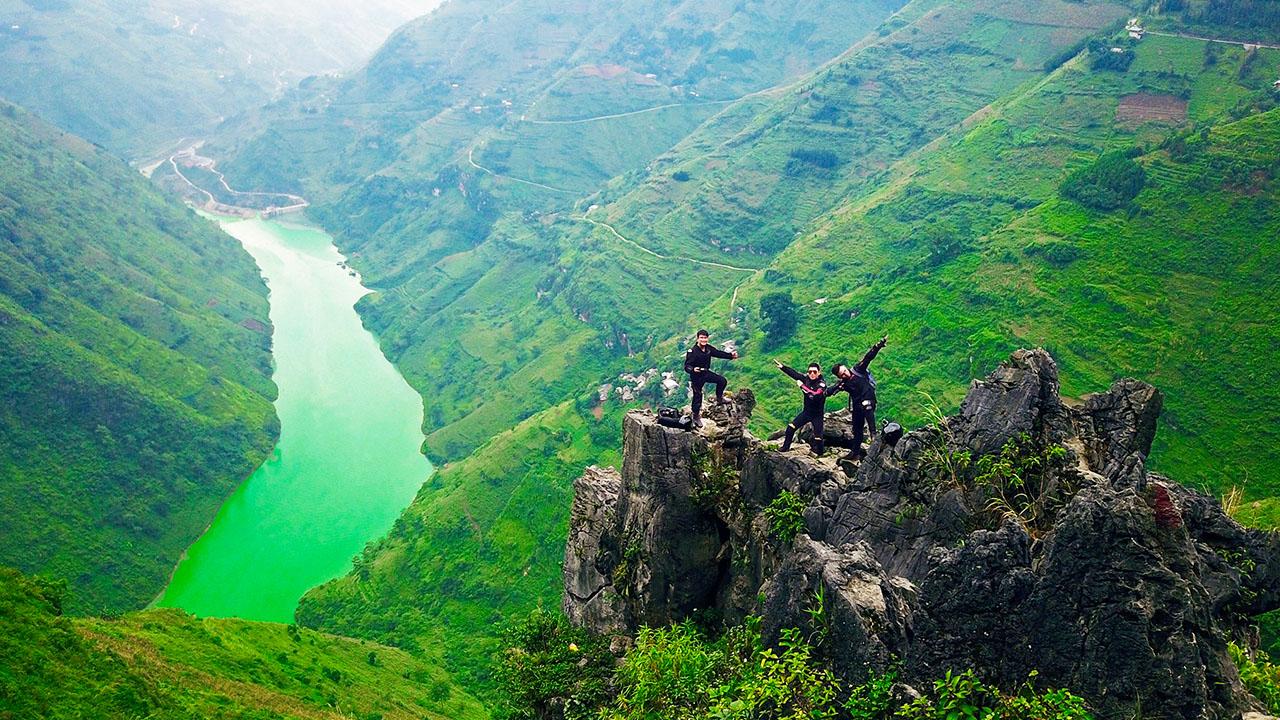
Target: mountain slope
column 1172, row 286
column 136, row 366
column 547, row 336
column 167, row 664
column 135, row 76
column 960, row 251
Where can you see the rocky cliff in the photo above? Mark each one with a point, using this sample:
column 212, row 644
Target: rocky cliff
column 1024, row 533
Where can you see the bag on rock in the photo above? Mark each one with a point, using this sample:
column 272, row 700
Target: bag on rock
column 670, row 417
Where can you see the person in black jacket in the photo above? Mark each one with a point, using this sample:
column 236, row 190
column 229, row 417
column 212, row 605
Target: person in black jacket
column 814, row 389
column 857, row 381
column 697, row 362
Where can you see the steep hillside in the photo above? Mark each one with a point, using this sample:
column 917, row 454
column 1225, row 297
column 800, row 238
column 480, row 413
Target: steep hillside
column 977, row 248
column 167, row 664
column 135, row 76
column 545, row 337
column 134, row 357
column 960, row 249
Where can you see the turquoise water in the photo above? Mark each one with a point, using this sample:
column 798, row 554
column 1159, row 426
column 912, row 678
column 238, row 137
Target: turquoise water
column 348, row 461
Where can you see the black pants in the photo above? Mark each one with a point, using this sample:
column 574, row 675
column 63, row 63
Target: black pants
column 862, row 417
column 702, row 378
column 814, row 418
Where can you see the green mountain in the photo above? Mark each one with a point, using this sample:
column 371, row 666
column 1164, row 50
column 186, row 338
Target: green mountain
column 167, row 664
column 965, row 176
column 987, row 244
column 135, row 362
column 136, row 76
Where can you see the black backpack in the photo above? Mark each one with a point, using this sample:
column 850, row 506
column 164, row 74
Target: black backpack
column 671, row 417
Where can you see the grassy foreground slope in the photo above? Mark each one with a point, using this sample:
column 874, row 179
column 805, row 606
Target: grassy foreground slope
column 135, row 367
column 481, row 544
column 167, row 664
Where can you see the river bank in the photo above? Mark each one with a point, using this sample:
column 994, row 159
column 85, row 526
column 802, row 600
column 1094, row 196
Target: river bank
column 349, row 457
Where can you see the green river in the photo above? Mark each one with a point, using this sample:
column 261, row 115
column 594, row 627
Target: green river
column 348, row 460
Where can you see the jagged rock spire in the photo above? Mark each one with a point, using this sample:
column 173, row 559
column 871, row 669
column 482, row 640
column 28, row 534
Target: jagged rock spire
column 1105, row 578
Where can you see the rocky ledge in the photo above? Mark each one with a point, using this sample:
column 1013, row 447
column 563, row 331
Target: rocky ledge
column 1024, row 533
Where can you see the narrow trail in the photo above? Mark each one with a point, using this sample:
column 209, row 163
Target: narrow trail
column 478, row 166
column 186, row 180
column 660, row 256
column 1242, row 43
column 628, row 114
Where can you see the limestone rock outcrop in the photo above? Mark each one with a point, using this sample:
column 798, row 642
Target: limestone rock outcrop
column 1024, row 533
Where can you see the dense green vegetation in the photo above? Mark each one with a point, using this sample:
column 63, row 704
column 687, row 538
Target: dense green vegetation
column 1249, row 20
column 1168, row 291
column 1108, row 183
column 134, row 357
column 166, row 664
column 959, row 247
column 944, row 229
column 1259, row 675
column 551, row 669
column 778, row 318
column 137, row 77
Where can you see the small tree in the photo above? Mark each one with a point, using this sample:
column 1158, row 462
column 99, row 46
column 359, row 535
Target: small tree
column 779, row 314
column 1108, row 183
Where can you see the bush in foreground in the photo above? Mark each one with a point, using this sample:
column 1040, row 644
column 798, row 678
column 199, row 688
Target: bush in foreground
column 554, row 670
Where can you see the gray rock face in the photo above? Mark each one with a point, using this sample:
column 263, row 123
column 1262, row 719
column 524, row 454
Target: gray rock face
column 1115, row 582
column 586, row 581
column 841, row 599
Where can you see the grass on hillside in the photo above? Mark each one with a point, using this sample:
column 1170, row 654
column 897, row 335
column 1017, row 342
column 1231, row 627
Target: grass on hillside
column 1174, row 290
column 135, row 361
column 752, row 194
column 167, row 664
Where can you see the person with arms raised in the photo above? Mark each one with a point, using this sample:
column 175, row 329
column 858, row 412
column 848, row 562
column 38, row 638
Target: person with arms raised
column 814, row 390
column 861, row 386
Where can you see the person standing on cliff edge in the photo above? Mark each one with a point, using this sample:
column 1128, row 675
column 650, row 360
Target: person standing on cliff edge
column 861, row 386
column 814, row 389
column 697, row 362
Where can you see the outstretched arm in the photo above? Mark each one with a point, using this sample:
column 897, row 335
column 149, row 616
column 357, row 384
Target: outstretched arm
column 871, row 354
column 717, row 352
column 791, row 372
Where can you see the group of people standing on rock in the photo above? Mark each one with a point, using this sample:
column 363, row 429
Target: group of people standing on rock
column 857, row 381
